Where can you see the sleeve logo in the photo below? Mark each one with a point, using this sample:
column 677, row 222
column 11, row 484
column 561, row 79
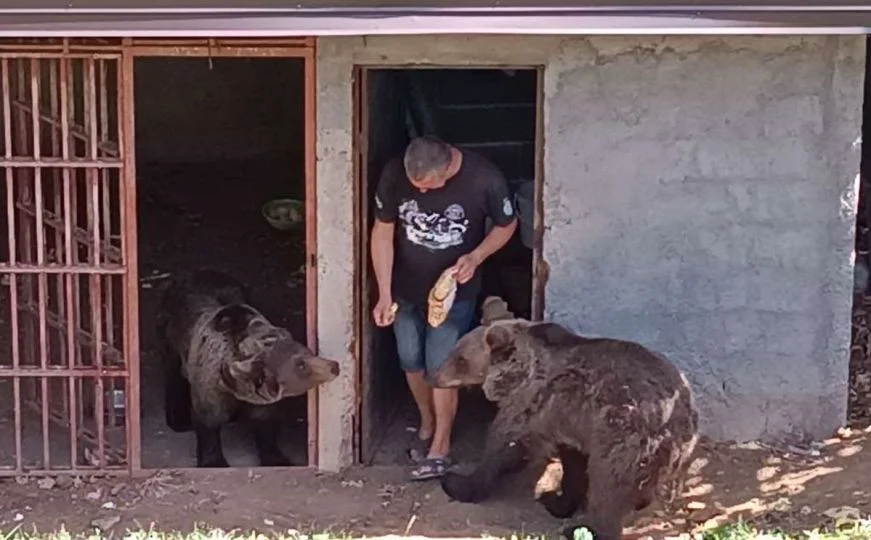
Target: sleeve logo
column 507, row 208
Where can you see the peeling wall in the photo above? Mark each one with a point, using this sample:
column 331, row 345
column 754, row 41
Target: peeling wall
column 699, row 197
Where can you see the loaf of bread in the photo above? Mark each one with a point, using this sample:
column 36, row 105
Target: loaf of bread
column 441, row 298
column 394, row 307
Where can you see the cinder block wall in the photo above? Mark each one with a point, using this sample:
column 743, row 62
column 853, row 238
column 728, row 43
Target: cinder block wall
column 700, row 197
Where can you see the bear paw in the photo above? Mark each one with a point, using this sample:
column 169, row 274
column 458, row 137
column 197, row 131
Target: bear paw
column 558, row 505
column 460, row 488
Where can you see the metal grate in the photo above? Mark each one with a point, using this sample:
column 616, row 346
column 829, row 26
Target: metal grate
column 64, row 371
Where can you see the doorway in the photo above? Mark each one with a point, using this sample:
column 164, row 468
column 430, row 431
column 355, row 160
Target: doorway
column 494, row 112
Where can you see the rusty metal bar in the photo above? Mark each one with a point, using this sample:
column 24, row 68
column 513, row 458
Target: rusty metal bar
column 69, row 210
column 78, row 133
column 61, row 269
column 260, row 42
column 311, row 274
column 539, row 265
column 13, row 254
column 79, row 234
column 40, row 255
column 219, row 51
column 59, row 162
column 34, row 55
column 54, row 68
column 105, row 204
column 109, row 470
column 90, row 108
column 85, row 338
column 129, row 235
column 62, row 372
column 25, row 194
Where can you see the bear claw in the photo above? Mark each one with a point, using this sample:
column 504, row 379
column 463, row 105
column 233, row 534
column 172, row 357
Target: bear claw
column 459, row 488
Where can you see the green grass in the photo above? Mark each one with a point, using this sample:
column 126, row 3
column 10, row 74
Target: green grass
column 733, row 531
column 743, row 531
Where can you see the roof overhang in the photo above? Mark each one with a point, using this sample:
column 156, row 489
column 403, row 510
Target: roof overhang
column 213, row 19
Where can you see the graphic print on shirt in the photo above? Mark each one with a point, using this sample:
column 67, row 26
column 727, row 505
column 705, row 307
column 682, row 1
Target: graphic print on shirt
column 433, row 230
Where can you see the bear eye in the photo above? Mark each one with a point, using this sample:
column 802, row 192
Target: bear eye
column 302, row 367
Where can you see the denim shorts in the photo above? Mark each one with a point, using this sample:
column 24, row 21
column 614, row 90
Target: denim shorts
column 422, row 347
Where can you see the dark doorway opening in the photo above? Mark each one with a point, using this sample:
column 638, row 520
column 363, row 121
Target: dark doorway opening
column 860, row 359
column 216, row 139
column 493, row 112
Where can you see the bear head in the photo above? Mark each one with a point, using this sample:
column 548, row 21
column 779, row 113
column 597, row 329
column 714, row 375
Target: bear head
column 501, row 353
column 483, row 355
column 269, row 363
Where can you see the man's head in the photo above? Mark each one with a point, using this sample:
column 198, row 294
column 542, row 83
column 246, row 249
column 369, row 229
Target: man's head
column 429, row 162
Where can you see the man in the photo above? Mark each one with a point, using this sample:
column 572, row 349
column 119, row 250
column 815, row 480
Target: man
column 440, row 197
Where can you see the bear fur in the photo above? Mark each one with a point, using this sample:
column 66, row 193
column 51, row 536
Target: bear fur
column 620, row 419
column 222, row 359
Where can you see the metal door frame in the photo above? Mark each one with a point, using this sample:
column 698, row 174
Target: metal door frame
column 362, row 317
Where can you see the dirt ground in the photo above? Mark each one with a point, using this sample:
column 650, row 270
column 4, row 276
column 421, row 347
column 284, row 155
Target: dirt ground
column 791, row 488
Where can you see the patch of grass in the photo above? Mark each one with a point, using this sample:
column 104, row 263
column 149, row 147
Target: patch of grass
column 743, row 531
column 732, row 531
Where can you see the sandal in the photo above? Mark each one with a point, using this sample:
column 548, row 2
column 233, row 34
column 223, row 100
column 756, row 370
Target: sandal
column 429, row 468
column 416, row 455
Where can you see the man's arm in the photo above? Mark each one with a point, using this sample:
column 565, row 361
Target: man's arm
column 501, row 212
column 500, row 208
column 381, row 246
column 381, row 239
column 498, row 236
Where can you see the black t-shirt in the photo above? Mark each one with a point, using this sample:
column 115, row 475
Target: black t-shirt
column 437, row 227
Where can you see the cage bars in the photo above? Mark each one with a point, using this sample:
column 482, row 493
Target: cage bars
column 70, row 279
column 65, row 262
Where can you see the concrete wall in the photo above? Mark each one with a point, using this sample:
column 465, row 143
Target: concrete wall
column 700, row 195
column 701, row 199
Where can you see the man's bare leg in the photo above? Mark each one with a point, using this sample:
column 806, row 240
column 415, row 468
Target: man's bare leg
column 423, row 397
column 445, row 403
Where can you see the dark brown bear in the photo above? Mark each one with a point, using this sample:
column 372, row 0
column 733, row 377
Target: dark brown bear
column 620, row 418
column 222, row 358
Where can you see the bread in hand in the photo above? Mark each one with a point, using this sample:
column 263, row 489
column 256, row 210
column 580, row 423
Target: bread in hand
column 441, row 298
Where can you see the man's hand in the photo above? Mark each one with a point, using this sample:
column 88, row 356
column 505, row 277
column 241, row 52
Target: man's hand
column 466, row 266
column 384, row 312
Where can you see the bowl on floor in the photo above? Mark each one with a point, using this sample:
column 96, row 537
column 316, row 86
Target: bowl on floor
column 284, row 214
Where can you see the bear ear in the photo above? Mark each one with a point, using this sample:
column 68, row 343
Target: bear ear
column 233, row 319
column 250, row 370
column 499, row 336
column 227, row 377
column 494, row 309
column 553, row 334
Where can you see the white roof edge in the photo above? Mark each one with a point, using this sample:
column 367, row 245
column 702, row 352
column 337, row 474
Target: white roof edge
column 272, row 26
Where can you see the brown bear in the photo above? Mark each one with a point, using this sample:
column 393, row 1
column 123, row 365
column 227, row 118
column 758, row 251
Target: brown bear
column 620, row 418
column 222, row 357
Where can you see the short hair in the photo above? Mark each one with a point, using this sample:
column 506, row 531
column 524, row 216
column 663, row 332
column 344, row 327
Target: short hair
column 425, row 155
